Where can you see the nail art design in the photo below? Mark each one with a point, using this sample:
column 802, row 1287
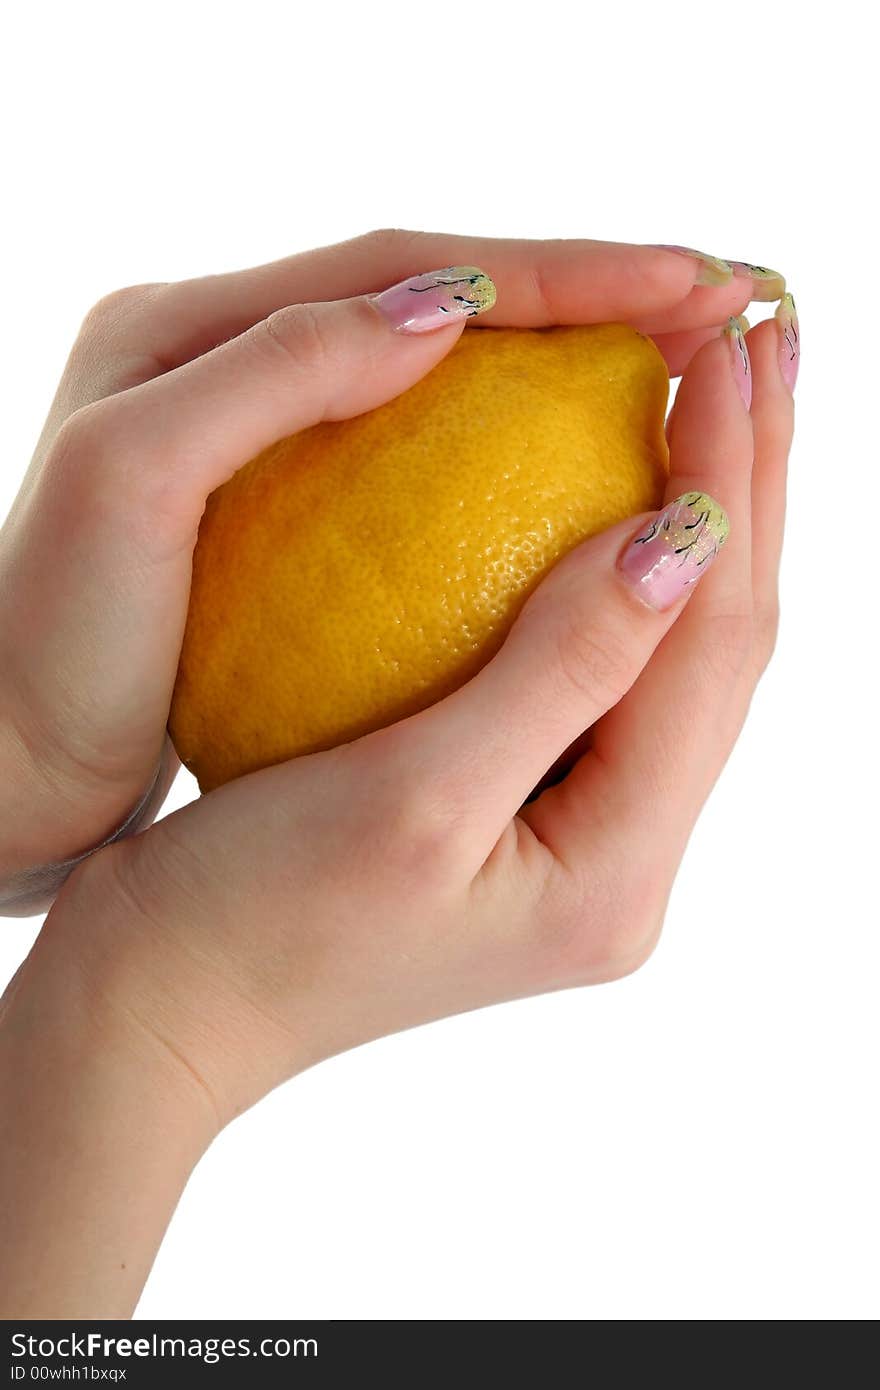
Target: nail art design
column 713, row 271
column 675, row 549
column 426, row 302
column 739, row 354
column 789, row 340
column 766, row 284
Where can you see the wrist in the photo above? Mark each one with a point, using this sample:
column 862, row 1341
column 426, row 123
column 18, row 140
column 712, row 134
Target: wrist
column 60, row 1003
column 53, row 1024
column 172, row 984
column 102, row 1131
column 44, row 822
column 51, row 825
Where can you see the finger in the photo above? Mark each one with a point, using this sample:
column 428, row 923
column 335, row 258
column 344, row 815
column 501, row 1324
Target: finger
column 539, row 283
column 302, row 365
column 771, row 347
column 580, row 642
column 750, row 283
column 656, row 753
column 679, row 349
column 713, row 449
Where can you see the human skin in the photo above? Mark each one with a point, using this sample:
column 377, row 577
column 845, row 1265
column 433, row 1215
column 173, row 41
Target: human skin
column 183, row 972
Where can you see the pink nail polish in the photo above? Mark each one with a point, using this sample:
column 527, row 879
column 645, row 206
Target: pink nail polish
column 674, row 550
column 789, row 340
column 739, row 356
column 435, row 299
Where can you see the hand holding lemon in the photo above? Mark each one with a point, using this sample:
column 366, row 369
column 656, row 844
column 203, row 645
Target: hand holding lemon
column 384, row 555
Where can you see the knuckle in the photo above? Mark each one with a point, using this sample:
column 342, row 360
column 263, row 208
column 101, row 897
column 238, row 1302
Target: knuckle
column 117, row 312
column 418, row 831
column 539, row 288
column 81, row 438
column 104, row 479
column 604, row 926
column 727, row 645
column 592, row 661
column 296, row 332
column 428, row 838
column 766, row 631
column 390, row 239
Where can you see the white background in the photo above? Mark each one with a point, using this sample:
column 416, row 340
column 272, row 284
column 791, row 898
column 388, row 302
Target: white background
column 695, row 1141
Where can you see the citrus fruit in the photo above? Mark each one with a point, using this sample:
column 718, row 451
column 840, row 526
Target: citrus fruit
column 360, row 570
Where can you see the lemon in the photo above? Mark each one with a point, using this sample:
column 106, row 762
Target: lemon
column 362, row 569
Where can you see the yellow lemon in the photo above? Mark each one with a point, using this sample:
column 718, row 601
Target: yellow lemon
column 362, row 569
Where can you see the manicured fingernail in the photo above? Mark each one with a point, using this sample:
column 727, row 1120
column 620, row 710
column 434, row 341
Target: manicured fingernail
column 766, row 284
column 675, row 549
column 789, row 340
column 429, row 301
column 739, row 356
column 713, row 271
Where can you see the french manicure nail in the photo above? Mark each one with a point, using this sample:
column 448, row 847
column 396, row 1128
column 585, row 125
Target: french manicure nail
column 789, row 340
column 739, row 356
column 712, row 271
column 439, row 297
column 674, row 550
column 766, row 284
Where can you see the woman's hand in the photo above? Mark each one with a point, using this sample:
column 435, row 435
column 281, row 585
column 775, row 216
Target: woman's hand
column 314, row 905
column 168, row 390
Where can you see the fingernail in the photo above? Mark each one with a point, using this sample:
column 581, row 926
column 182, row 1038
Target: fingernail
column 675, row 549
column 713, row 271
column 766, row 284
column 429, row 301
column 739, row 356
column 789, row 340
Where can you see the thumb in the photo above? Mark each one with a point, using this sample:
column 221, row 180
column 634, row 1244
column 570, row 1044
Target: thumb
column 303, row 364
column 123, row 489
column 578, row 645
